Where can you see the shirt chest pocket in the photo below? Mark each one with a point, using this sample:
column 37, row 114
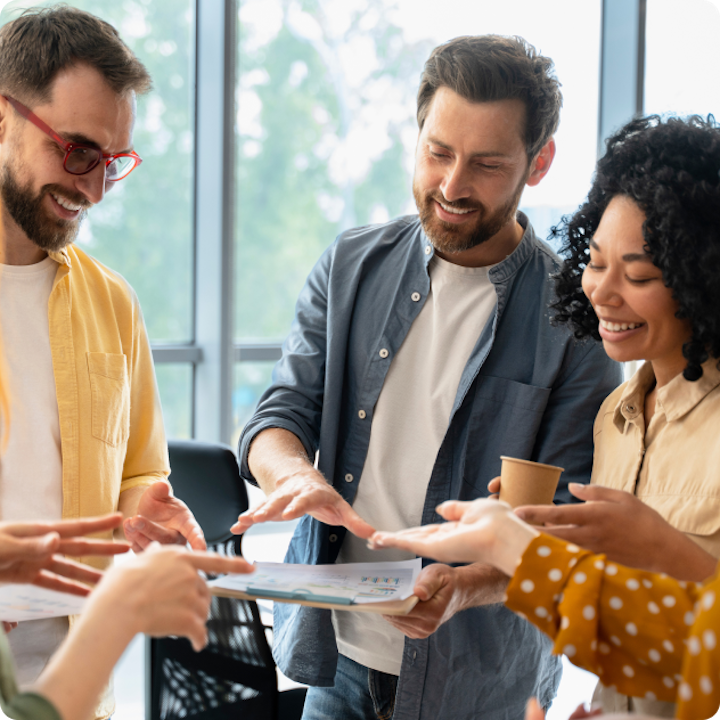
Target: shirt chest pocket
column 506, row 420
column 110, row 397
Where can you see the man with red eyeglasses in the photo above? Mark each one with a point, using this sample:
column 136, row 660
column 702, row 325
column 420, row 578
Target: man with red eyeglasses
column 85, row 434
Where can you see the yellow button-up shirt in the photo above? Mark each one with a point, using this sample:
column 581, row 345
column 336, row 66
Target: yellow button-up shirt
column 673, row 466
column 111, row 428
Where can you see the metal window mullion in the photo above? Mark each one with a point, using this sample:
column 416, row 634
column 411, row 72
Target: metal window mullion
column 622, row 65
column 622, row 74
column 214, row 217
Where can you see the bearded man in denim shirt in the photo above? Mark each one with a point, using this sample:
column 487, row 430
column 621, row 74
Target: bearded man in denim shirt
column 421, row 351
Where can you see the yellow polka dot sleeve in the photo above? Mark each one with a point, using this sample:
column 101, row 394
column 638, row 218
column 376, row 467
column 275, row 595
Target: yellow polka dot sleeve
column 699, row 692
column 627, row 626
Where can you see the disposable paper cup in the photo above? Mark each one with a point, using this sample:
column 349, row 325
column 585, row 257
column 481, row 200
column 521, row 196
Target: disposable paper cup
column 527, row 483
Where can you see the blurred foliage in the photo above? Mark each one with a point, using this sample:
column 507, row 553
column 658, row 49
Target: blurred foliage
column 319, row 144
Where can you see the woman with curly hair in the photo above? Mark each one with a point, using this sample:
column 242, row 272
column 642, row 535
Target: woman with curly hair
column 642, row 274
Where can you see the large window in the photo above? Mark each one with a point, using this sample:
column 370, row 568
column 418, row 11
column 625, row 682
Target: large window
column 326, row 132
column 682, row 74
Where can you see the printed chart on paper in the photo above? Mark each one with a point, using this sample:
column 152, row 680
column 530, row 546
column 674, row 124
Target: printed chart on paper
column 356, row 583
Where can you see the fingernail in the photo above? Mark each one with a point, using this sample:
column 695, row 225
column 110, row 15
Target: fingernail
column 139, row 524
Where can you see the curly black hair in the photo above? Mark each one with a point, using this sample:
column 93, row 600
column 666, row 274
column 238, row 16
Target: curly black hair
column 671, row 169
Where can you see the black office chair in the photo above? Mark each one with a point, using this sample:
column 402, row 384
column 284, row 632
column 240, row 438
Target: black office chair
column 234, row 676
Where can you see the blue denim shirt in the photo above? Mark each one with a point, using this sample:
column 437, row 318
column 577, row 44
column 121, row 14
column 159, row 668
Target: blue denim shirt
column 529, row 390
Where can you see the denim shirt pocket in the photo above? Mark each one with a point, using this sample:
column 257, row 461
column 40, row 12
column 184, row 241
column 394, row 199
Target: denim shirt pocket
column 505, row 420
column 110, row 397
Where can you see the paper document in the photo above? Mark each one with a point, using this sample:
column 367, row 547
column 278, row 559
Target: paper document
column 343, row 584
column 29, row 602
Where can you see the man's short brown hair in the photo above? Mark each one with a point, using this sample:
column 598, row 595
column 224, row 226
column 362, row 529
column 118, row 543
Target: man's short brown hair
column 487, row 68
column 40, row 43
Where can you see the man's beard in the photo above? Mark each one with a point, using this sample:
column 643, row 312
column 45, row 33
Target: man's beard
column 27, row 210
column 450, row 238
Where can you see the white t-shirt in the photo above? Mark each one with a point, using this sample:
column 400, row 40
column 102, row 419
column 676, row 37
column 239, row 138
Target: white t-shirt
column 31, row 464
column 409, row 424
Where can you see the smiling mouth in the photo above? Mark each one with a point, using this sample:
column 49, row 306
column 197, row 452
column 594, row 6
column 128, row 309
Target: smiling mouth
column 455, row 210
column 619, row 327
column 65, row 203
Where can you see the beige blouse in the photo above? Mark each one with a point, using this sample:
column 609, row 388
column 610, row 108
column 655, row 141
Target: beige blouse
column 674, row 466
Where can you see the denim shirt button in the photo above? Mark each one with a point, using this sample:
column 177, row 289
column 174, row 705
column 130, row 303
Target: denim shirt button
column 415, row 297
column 428, row 249
column 362, row 414
column 349, row 477
column 333, row 538
column 384, row 353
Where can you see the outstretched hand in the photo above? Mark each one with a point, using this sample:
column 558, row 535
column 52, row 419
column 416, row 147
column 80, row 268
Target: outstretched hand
column 619, row 525
column 32, row 552
column 305, row 493
column 469, row 536
column 162, row 518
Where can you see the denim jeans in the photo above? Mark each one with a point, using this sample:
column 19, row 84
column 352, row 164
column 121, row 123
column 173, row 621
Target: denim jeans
column 359, row 693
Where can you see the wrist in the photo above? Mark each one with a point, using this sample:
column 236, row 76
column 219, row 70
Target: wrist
column 298, row 469
column 478, row 584
column 116, row 599
column 511, row 538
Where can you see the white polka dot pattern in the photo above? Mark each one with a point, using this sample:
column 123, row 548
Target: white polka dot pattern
column 630, row 627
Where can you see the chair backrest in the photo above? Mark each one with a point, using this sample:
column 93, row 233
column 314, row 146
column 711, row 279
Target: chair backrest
column 234, row 676
column 205, row 476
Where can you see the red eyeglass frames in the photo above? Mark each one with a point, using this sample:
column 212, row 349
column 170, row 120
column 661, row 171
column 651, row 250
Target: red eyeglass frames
column 79, row 158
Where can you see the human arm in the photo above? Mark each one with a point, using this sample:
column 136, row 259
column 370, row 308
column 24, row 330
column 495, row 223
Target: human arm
column 159, row 593
column 627, row 626
column 279, row 463
column 623, row 528
column 279, row 443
